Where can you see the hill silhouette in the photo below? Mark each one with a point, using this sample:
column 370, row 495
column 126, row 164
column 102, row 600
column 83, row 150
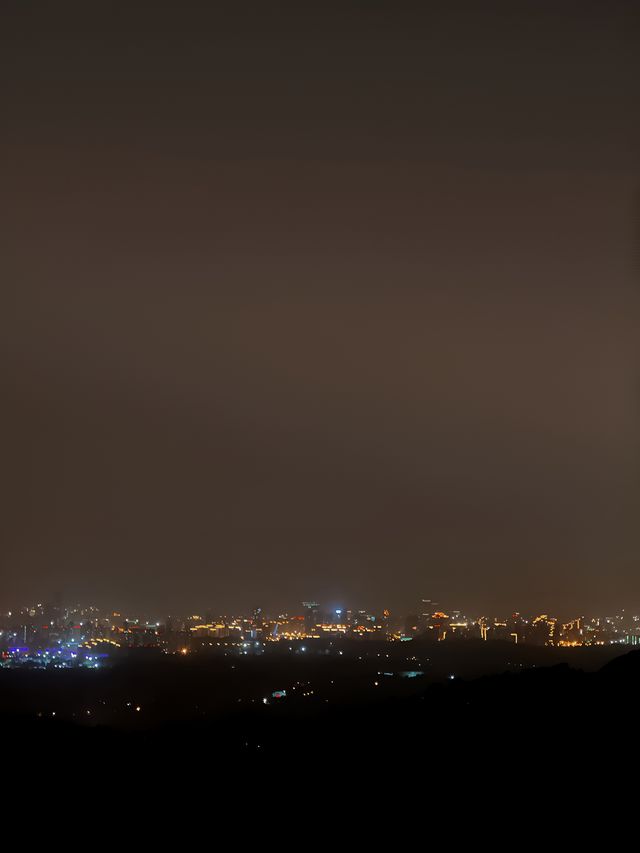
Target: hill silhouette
column 540, row 714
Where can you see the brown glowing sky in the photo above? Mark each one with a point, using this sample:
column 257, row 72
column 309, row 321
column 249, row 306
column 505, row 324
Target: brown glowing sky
column 329, row 300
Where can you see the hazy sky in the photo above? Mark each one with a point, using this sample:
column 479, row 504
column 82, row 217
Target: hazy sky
column 333, row 300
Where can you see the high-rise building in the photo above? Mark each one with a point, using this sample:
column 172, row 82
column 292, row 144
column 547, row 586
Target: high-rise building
column 311, row 615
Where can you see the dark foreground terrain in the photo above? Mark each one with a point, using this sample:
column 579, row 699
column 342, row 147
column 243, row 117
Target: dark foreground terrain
column 347, row 714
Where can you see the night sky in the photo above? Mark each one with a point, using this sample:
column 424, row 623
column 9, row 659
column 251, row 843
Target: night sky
column 320, row 300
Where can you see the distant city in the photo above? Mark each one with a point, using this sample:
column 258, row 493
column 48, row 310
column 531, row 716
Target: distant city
column 57, row 636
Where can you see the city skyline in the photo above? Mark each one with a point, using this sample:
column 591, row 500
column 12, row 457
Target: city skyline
column 183, row 603
column 330, row 611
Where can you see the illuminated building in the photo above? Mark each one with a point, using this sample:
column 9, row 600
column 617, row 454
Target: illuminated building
column 311, row 615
